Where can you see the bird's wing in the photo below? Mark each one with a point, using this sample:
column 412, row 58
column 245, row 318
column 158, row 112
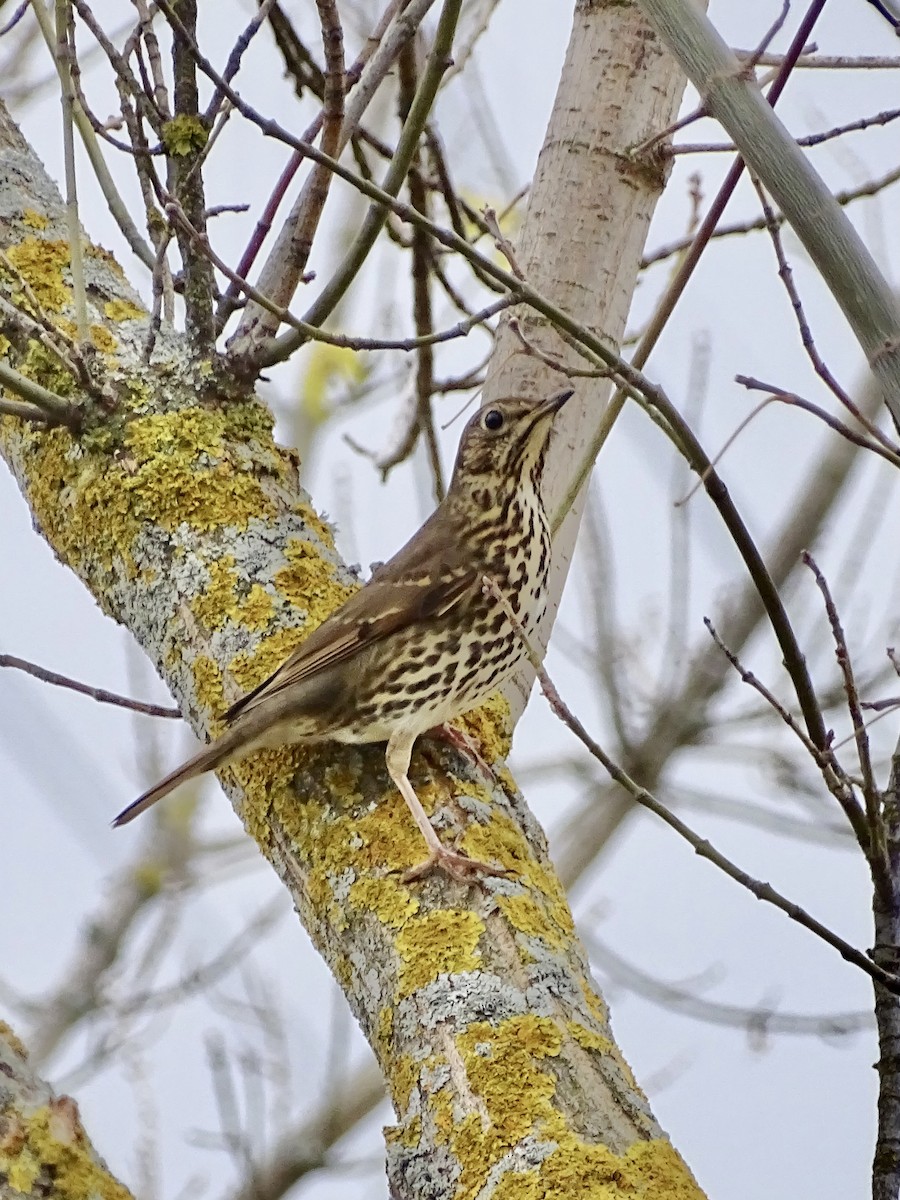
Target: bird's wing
column 384, row 606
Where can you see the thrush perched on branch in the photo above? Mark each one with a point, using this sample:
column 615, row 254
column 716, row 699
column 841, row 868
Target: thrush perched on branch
column 423, row 641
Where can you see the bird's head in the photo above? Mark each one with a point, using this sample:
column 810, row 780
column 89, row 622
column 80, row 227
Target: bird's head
column 503, row 445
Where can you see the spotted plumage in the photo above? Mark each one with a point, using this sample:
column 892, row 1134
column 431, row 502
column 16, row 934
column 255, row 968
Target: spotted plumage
column 423, row 641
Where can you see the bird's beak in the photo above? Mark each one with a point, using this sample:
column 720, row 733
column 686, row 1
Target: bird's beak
column 554, row 403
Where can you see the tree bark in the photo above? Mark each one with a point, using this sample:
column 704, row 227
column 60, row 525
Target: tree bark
column 45, row 1153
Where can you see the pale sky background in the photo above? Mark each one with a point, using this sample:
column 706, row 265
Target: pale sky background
column 786, row 1117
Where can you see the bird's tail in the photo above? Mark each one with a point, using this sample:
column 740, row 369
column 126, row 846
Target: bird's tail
column 216, row 754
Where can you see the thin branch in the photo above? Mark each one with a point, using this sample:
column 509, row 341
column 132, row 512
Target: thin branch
column 315, row 190
column 786, row 275
column 870, row 188
column 829, row 62
column 238, row 51
column 423, row 253
column 111, row 194
column 437, row 63
column 882, row 447
column 834, row 776
column 84, row 689
column 878, row 853
column 809, row 139
column 25, row 412
column 312, row 332
column 56, row 410
column 64, row 52
column 185, row 179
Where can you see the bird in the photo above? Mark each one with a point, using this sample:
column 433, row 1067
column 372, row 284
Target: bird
column 423, row 641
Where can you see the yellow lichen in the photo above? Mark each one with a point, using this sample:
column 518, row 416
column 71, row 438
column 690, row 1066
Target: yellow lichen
column 54, row 1148
column 171, row 468
column 265, row 778
column 527, row 916
column 103, row 339
column 438, row 943
column 505, row 1069
column 41, row 262
column 215, row 604
column 168, row 486
column 389, row 836
column 184, row 135
column 208, row 683
column 384, row 1030
column 502, row 840
column 42, row 365
column 508, row 1070
column 403, row 1076
column 34, row 220
column 123, row 310
column 309, row 582
column 6, row 1032
column 489, row 726
column 651, row 1170
column 595, row 1004
column 250, row 669
column 391, row 902
column 588, row 1038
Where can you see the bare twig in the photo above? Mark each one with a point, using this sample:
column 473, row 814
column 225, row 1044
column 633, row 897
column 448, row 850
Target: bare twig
column 503, row 244
column 878, row 856
column 819, row 365
column 312, row 332
column 99, row 694
column 64, row 52
column 54, row 409
column 829, row 62
column 834, row 776
column 872, row 187
column 809, row 139
column 423, row 254
column 883, row 446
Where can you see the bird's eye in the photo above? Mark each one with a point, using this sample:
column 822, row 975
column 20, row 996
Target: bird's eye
column 493, row 419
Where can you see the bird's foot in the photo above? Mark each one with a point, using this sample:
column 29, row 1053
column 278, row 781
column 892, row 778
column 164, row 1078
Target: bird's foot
column 466, row 745
column 455, row 864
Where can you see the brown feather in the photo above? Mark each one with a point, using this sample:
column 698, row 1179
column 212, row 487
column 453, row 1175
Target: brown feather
column 397, row 596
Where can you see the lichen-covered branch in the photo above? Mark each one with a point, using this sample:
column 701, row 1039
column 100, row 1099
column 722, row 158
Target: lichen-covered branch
column 184, row 519
column 45, row 1153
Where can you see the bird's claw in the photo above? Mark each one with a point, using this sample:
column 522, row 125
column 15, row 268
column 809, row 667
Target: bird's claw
column 455, row 864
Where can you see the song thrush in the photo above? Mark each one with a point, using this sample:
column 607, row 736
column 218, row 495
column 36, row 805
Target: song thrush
column 423, row 641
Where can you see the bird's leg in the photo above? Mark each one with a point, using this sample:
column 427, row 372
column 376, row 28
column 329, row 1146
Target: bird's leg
column 453, row 862
column 466, row 745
